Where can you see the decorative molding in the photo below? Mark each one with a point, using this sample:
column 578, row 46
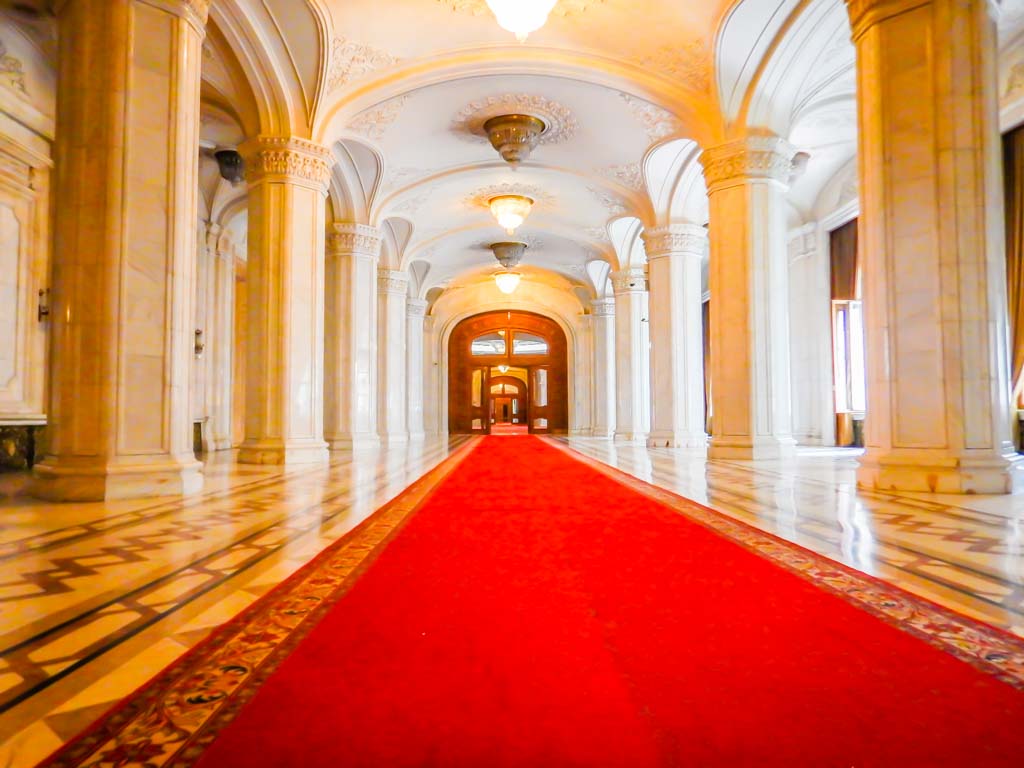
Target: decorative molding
column 479, row 7
column 688, row 63
column 803, row 243
column 287, row 158
column 12, row 71
column 413, row 203
column 603, row 307
column 351, row 60
column 680, row 238
column 397, row 177
column 658, row 123
column 392, row 282
column 632, row 280
column 416, row 307
column 756, row 157
column 348, row 239
column 481, row 197
column 600, row 234
column 612, row 203
column 560, row 122
column 373, row 123
column 628, row 175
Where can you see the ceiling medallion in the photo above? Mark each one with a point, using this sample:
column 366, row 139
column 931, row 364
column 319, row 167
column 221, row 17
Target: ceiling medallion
column 514, row 137
column 481, row 198
column 560, row 125
column 510, row 211
column 508, row 255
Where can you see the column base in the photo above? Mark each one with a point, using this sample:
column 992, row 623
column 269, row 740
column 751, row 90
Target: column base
column 631, row 438
column 281, row 452
column 756, row 450
column 604, row 434
column 677, row 440
column 357, row 442
column 399, row 438
column 417, row 437
column 221, row 444
column 924, row 471
column 56, row 480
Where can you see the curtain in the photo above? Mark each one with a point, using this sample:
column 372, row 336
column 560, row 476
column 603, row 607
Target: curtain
column 1013, row 178
column 843, row 254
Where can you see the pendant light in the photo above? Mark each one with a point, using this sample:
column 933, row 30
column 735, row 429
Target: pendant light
column 521, row 17
column 508, row 255
column 510, row 211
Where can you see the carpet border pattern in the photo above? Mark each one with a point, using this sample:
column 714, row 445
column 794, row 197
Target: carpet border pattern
column 989, row 649
column 174, row 717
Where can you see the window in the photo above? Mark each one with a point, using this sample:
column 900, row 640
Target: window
column 528, row 344
column 488, row 344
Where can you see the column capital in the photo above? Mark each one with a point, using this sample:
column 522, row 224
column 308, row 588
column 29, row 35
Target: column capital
column 392, row 282
column 865, row 14
column 632, row 280
column 416, row 307
column 682, row 238
column 346, row 238
column 287, row 159
column 765, row 157
column 603, row 307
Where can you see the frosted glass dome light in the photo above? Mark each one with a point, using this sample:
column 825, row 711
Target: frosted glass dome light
column 521, row 17
column 507, row 281
column 510, row 211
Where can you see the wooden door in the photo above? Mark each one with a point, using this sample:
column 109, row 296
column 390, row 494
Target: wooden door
column 541, row 404
column 479, row 400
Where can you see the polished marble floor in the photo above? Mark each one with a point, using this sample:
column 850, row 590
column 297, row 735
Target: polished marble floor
column 96, row 598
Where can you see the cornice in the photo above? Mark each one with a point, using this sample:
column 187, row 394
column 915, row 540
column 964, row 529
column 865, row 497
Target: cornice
column 392, row 282
column 632, row 280
column 289, row 159
column 348, row 239
column 755, row 157
column 675, row 239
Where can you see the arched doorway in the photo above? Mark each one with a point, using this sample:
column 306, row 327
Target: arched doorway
column 508, row 369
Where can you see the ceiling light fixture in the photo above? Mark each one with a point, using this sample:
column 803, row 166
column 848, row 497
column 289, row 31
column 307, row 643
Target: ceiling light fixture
column 521, row 17
column 510, row 211
column 508, row 255
column 514, row 136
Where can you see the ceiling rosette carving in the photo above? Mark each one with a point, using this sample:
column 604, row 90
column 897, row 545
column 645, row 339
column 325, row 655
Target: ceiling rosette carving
column 561, row 124
column 658, row 123
column 373, row 123
column 689, row 63
column 351, row 60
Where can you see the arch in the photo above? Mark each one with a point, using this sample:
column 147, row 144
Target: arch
column 355, row 180
column 469, row 411
column 675, row 184
column 695, row 110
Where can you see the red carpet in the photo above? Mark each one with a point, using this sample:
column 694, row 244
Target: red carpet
column 507, row 430
column 535, row 612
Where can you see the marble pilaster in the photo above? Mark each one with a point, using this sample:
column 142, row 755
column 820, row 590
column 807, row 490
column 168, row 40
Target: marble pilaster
column 288, row 180
column 415, row 314
column 351, row 390
column 393, row 287
column 674, row 257
column 931, row 234
column 221, row 346
column 632, row 356
column 603, row 313
column 125, row 250
column 747, row 181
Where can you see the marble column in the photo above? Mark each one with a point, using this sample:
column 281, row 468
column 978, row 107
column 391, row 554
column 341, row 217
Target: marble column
column 351, row 333
column 285, row 278
column 393, row 286
column 431, row 380
column 939, row 391
column 603, row 311
column 749, row 285
column 416, row 310
column 674, row 257
column 221, row 345
column 124, row 250
column 632, row 357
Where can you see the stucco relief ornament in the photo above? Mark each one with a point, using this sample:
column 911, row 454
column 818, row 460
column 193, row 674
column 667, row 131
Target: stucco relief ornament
column 12, row 71
column 287, row 157
column 354, row 238
column 560, row 124
column 1015, row 82
column 411, row 204
column 612, row 203
column 599, row 234
column 373, row 123
column 688, row 63
column 629, row 175
column 479, row 7
column 675, row 238
column 757, row 157
column 480, row 199
column 658, row 123
column 351, row 60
